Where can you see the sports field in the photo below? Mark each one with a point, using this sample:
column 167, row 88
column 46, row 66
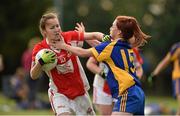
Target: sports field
column 8, row 107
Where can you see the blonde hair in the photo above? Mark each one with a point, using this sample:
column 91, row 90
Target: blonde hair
column 44, row 18
column 130, row 28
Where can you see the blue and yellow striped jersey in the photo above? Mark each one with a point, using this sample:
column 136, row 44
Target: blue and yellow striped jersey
column 175, row 58
column 119, row 57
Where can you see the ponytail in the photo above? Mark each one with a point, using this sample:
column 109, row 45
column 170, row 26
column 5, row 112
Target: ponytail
column 129, row 28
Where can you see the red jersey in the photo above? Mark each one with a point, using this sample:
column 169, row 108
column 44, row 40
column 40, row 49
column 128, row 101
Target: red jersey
column 65, row 78
column 137, row 55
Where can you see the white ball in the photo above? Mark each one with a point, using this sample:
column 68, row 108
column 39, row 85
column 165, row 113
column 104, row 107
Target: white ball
column 45, row 67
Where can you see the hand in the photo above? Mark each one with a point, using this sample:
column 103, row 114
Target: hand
column 47, row 57
column 80, row 27
column 150, row 79
column 106, row 38
column 58, row 44
column 102, row 74
column 104, row 71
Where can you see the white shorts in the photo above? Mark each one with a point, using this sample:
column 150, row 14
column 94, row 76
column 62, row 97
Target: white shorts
column 100, row 97
column 81, row 105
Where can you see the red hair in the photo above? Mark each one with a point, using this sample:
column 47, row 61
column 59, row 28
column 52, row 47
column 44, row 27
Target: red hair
column 130, row 28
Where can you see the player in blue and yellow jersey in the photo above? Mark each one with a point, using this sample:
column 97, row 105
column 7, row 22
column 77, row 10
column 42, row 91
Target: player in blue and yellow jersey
column 173, row 56
column 118, row 55
column 102, row 98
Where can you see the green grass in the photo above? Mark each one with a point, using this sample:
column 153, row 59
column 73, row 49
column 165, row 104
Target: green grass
column 166, row 101
column 8, row 106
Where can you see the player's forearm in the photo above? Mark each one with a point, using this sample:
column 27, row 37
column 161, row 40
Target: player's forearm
column 78, row 51
column 93, row 43
column 139, row 72
column 93, row 35
column 36, row 71
column 162, row 65
column 158, row 69
column 93, row 67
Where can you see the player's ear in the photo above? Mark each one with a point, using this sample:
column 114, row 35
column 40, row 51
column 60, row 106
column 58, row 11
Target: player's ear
column 119, row 33
column 44, row 34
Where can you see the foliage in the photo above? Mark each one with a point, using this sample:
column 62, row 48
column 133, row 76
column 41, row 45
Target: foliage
column 18, row 23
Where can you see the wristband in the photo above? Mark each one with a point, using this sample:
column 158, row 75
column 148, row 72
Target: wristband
column 41, row 62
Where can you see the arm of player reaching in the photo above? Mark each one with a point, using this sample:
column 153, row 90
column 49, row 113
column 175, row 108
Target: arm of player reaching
column 163, row 64
column 75, row 50
column 60, row 44
column 88, row 35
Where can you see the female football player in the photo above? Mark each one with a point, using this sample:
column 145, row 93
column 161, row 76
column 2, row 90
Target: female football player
column 102, row 98
column 172, row 56
column 68, row 83
column 118, row 55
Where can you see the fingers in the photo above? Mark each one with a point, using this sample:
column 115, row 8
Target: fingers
column 50, row 53
column 80, row 27
column 46, row 52
column 82, row 24
column 51, row 56
column 77, row 28
column 106, row 38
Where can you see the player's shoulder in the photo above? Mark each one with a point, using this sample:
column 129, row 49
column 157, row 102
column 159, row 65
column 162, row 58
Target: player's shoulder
column 105, row 43
column 40, row 45
column 175, row 47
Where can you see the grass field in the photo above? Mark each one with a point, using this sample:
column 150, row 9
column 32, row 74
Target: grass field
column 8, row 107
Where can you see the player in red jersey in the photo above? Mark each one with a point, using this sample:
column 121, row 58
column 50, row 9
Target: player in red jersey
column 118, row 55
column 138, row 61
column 68, row 84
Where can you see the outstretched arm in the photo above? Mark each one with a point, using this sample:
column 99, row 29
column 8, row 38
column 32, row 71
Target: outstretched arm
column 75, row 50
column 88, row 35
column 93, row 35
column 163, row 64
column 78, row 51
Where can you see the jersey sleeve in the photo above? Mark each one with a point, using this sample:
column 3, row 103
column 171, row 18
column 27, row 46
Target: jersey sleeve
column 137, row 55
column 101, row 52
column 35, row 51
column 75, row 38
column 175, row 51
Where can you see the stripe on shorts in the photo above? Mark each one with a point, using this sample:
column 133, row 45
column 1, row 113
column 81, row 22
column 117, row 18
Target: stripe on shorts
column 123, row 102
column 51, row 100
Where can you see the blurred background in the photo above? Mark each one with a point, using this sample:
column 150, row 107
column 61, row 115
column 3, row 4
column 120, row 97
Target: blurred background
column 19, row 21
